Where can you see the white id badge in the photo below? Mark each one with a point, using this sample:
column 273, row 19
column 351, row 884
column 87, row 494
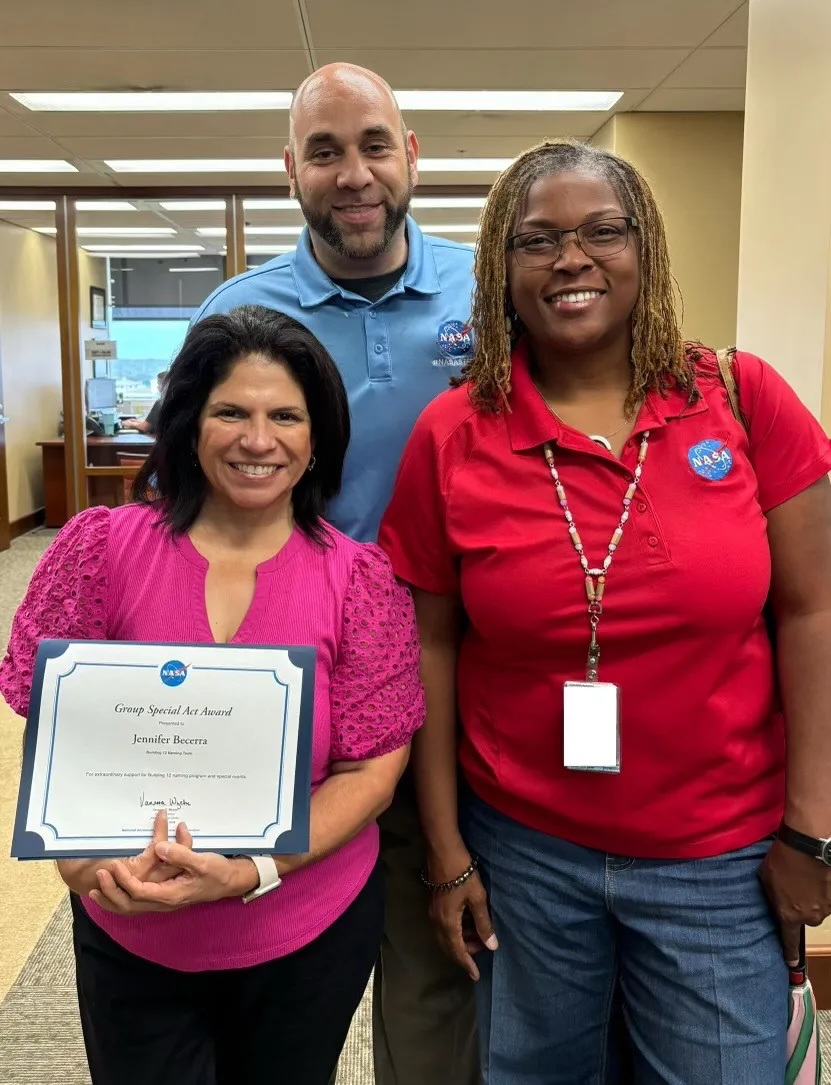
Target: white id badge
column 591, row 726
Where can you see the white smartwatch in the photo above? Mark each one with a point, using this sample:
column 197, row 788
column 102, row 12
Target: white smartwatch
column 269, row 878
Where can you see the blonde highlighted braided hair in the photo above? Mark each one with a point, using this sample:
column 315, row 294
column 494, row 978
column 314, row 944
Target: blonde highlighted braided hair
column 660, row 358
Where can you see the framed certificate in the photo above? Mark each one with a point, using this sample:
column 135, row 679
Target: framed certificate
column 218, row 735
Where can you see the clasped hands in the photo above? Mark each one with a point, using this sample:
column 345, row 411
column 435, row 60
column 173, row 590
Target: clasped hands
column 167, row 876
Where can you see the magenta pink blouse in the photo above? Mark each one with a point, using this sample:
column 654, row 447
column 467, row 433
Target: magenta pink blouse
column 114, row 575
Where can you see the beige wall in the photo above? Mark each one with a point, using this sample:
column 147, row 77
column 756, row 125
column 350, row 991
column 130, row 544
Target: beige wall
column 92, row 271
column 693, row 161
column 30, row 354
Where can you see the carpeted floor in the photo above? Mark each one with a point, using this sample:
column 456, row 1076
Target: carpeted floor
column 40, row 1039
column 40, row 1035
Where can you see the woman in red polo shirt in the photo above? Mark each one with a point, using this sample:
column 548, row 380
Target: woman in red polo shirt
column 591, row 537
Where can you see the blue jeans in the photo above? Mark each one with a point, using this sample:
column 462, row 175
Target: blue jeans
column 690, row 947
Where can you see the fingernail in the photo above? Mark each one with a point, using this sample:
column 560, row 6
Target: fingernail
column 492, row 942
column 161, row 851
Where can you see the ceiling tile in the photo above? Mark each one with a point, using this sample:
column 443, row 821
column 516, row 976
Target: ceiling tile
column 509, row 69
column 190, row 24
column 501, row 125
column 11, row 126
column 62, row 126
column 520, row 24
column 149, row 69
column 31, row 146
column 170, row 147
column 733, row 33
column 694, row 101
column 711, row 68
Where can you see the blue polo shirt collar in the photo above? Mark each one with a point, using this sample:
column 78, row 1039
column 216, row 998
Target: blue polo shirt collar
column 530, row 423
column 314, row 287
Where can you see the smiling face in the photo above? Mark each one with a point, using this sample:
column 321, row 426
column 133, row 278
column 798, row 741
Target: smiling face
column 255, row 435
column 581, row 303
column 350, row 165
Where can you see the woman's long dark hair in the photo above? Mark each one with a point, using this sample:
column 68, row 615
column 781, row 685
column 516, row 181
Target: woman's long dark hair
column 210, row 350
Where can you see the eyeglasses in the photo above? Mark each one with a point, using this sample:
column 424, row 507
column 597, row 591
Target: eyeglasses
column 542, row 248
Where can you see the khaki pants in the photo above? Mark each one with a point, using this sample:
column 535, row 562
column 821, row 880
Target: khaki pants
column 424, row 1016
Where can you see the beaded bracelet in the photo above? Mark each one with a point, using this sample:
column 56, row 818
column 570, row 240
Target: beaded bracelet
column 445, row 887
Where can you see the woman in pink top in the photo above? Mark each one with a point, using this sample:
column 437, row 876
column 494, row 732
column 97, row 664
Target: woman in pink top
column 179, row 980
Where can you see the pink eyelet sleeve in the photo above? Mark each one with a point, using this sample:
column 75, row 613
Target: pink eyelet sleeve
column 377, row 701
column 65, row 600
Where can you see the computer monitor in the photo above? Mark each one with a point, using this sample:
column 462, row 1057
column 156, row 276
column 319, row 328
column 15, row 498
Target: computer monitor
column 101, row 394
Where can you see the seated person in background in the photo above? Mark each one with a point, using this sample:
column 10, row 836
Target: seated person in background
column 150, row 423
column 179, row 981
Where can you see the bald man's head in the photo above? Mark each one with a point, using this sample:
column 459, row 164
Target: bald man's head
column 348, row 81
column 351, row 163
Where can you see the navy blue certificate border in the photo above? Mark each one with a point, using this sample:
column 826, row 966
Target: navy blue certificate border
column 30, row 845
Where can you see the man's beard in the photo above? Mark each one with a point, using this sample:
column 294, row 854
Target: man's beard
column 359, row 246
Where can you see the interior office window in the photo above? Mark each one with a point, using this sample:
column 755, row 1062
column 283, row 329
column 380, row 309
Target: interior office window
column 152, row 302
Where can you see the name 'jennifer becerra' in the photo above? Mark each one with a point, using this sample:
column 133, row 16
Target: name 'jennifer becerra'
column 167, row 740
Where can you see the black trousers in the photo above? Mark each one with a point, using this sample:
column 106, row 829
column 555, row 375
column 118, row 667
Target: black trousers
column 279, row 1023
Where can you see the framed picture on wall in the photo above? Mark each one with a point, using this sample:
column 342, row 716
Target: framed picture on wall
column 97, row 307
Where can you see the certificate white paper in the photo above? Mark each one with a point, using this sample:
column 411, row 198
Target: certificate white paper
column 218, row 735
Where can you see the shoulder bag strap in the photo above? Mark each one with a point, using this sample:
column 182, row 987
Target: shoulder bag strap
column 725, row 368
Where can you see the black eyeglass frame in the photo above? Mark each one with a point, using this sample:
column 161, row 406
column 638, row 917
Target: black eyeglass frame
column 631, row 224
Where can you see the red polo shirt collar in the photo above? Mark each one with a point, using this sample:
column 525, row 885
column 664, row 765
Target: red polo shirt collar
column 530, row 423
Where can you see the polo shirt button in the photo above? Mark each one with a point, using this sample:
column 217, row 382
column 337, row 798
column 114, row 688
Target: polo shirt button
column 641, row 506
column 379, row 348
column 372, row 314
column 653, row 540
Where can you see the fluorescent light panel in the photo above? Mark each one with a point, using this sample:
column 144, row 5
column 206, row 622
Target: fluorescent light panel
column 275, row 165
column 264, row 231
column 219, row 205
column 496, row 101
column 451, row 228
column 274, row 249
column 448, row 201
column 81, row 205
column 114, row 231
column 153, row 101
column 36, row 165
column 181, row 270
column 27, row 205
column 509, row 101
column 104, row 205
column 174, row 250
column 196, row 165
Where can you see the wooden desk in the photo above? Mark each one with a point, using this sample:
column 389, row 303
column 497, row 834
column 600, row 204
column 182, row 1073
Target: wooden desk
column 101, row 452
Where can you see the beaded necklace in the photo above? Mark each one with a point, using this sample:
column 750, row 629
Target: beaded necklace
column 596, row 577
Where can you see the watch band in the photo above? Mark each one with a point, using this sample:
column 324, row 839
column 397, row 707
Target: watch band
column 816, row 847
column 269, row 878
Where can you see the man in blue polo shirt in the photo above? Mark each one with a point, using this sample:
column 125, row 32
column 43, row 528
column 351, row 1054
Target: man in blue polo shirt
column 392, row 306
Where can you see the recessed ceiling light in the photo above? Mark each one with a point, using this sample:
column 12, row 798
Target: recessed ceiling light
column 174, row 250
column 152, row 101
column 498, row 101
column 104, row 205
column 271, row 205
column 193, row 205
column 263, row 231
column 120, row 254
column 505, row 101
column 115, row 231
column 180, row 270
column 448, row 201
column 36, row 165
column 196, row 165
column 463, row 165
column 251, row 249
column 27, row 205
column 453, row 228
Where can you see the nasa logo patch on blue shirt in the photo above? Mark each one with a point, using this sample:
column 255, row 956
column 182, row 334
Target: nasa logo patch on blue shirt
column 454, row 338
column 711, row 459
